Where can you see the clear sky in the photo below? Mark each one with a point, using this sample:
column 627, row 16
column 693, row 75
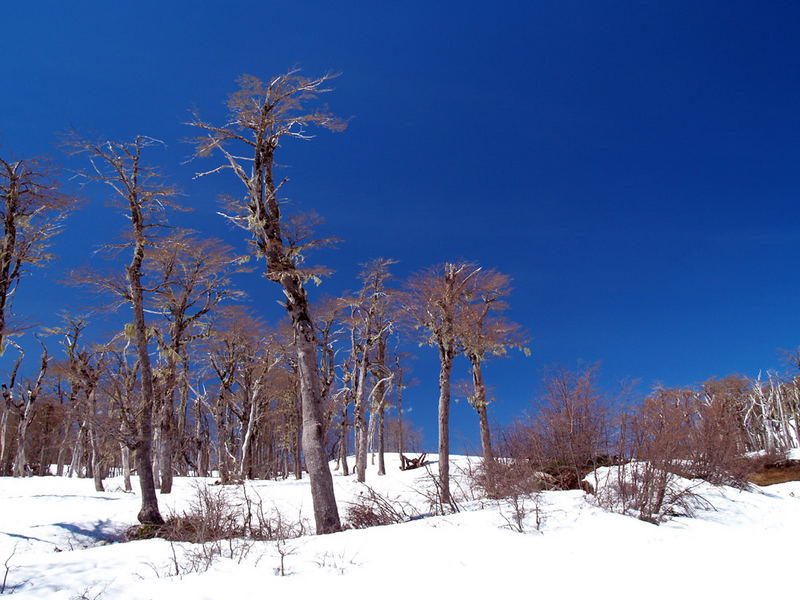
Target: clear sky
column 632, row 165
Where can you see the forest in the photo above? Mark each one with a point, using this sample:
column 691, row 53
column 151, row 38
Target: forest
column 194, row 383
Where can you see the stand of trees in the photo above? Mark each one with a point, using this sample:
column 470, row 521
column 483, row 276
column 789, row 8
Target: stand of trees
column 196, row 383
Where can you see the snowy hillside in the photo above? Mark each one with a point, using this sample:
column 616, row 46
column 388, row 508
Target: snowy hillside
column 63, row 538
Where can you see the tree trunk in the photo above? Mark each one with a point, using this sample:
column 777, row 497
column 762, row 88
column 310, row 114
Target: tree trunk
column 381, row 442
column 77, row 452
column 480, row 404
column 326, row 513
column 20, row 459
column 297, row 456
column 360, row 421
column 4, row 445
column 126, row 466
column 97, row 468
column 343, row 442
column 248, row 436
column 202, row 440
column 167, row 454
column 399, row 408
column 149, row 513
column 222, row 441
column 157, row 458
column 446, row 366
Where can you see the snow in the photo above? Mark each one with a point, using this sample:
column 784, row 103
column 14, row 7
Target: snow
column 63, row 532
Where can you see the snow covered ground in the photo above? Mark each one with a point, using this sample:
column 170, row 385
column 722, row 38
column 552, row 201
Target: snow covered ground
column 63, row 538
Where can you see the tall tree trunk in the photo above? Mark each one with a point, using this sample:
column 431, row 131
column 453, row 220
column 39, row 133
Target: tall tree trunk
column 248, row 436
column 20, row 460
column 297, row 447
column 343, row 442
column 97, row 467
column 77, row 453
column 126, row 466
column 446, row 366
column 222, row 441
column 381, row 394
column 20, row 463
column 381, row 441
column 326, row 513
column 399, row 407
column 360, row 421
column 167, row 452
column 4, row 445
column 149, row 513
column 157, row 458
column 480, row 404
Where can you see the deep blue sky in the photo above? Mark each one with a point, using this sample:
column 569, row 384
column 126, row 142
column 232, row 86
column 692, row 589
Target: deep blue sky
column 633, row 166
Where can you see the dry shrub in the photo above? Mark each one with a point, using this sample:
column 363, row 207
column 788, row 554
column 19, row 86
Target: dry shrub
column 653, row 440
column 217, row 513
column 570, row 430
column 372, row 509
column 567, row 438
column 212, row 515
column 700, row 430
column 510, row 477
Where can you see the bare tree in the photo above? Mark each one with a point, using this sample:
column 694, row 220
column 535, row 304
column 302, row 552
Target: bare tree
column 434, row 300
column 32, row 211
column 192, row 280
column 261, row 114
column 26, row 408
column 145, row 197
column 484, row 335
column 9, row 405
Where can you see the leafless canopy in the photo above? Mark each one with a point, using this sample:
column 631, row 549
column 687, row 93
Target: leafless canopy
column 260, row 114
column 32, row 211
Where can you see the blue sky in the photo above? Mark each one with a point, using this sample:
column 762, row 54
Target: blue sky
column 633, row 166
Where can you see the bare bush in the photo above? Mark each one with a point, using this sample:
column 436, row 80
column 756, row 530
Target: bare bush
column 439, row 502
column 212, row 515
column 372, row 509
column 653, row 441
column 217, row 513
column 505, row 478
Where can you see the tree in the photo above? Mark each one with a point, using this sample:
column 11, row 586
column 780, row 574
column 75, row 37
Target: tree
column 145, row 198
column 369, row 326
column 484, row 335
column 26, row 413
column 434, row 300
column 192, row 279
column 261, row 114
column 32, row 211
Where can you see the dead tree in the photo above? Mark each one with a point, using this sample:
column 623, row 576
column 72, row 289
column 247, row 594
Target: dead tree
column 260, row 115
column 434, row 299
column 32, row 211
column 192, row 279
column 144, row 197
column 26, row 408
column 8, row 406
column 484, row 334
